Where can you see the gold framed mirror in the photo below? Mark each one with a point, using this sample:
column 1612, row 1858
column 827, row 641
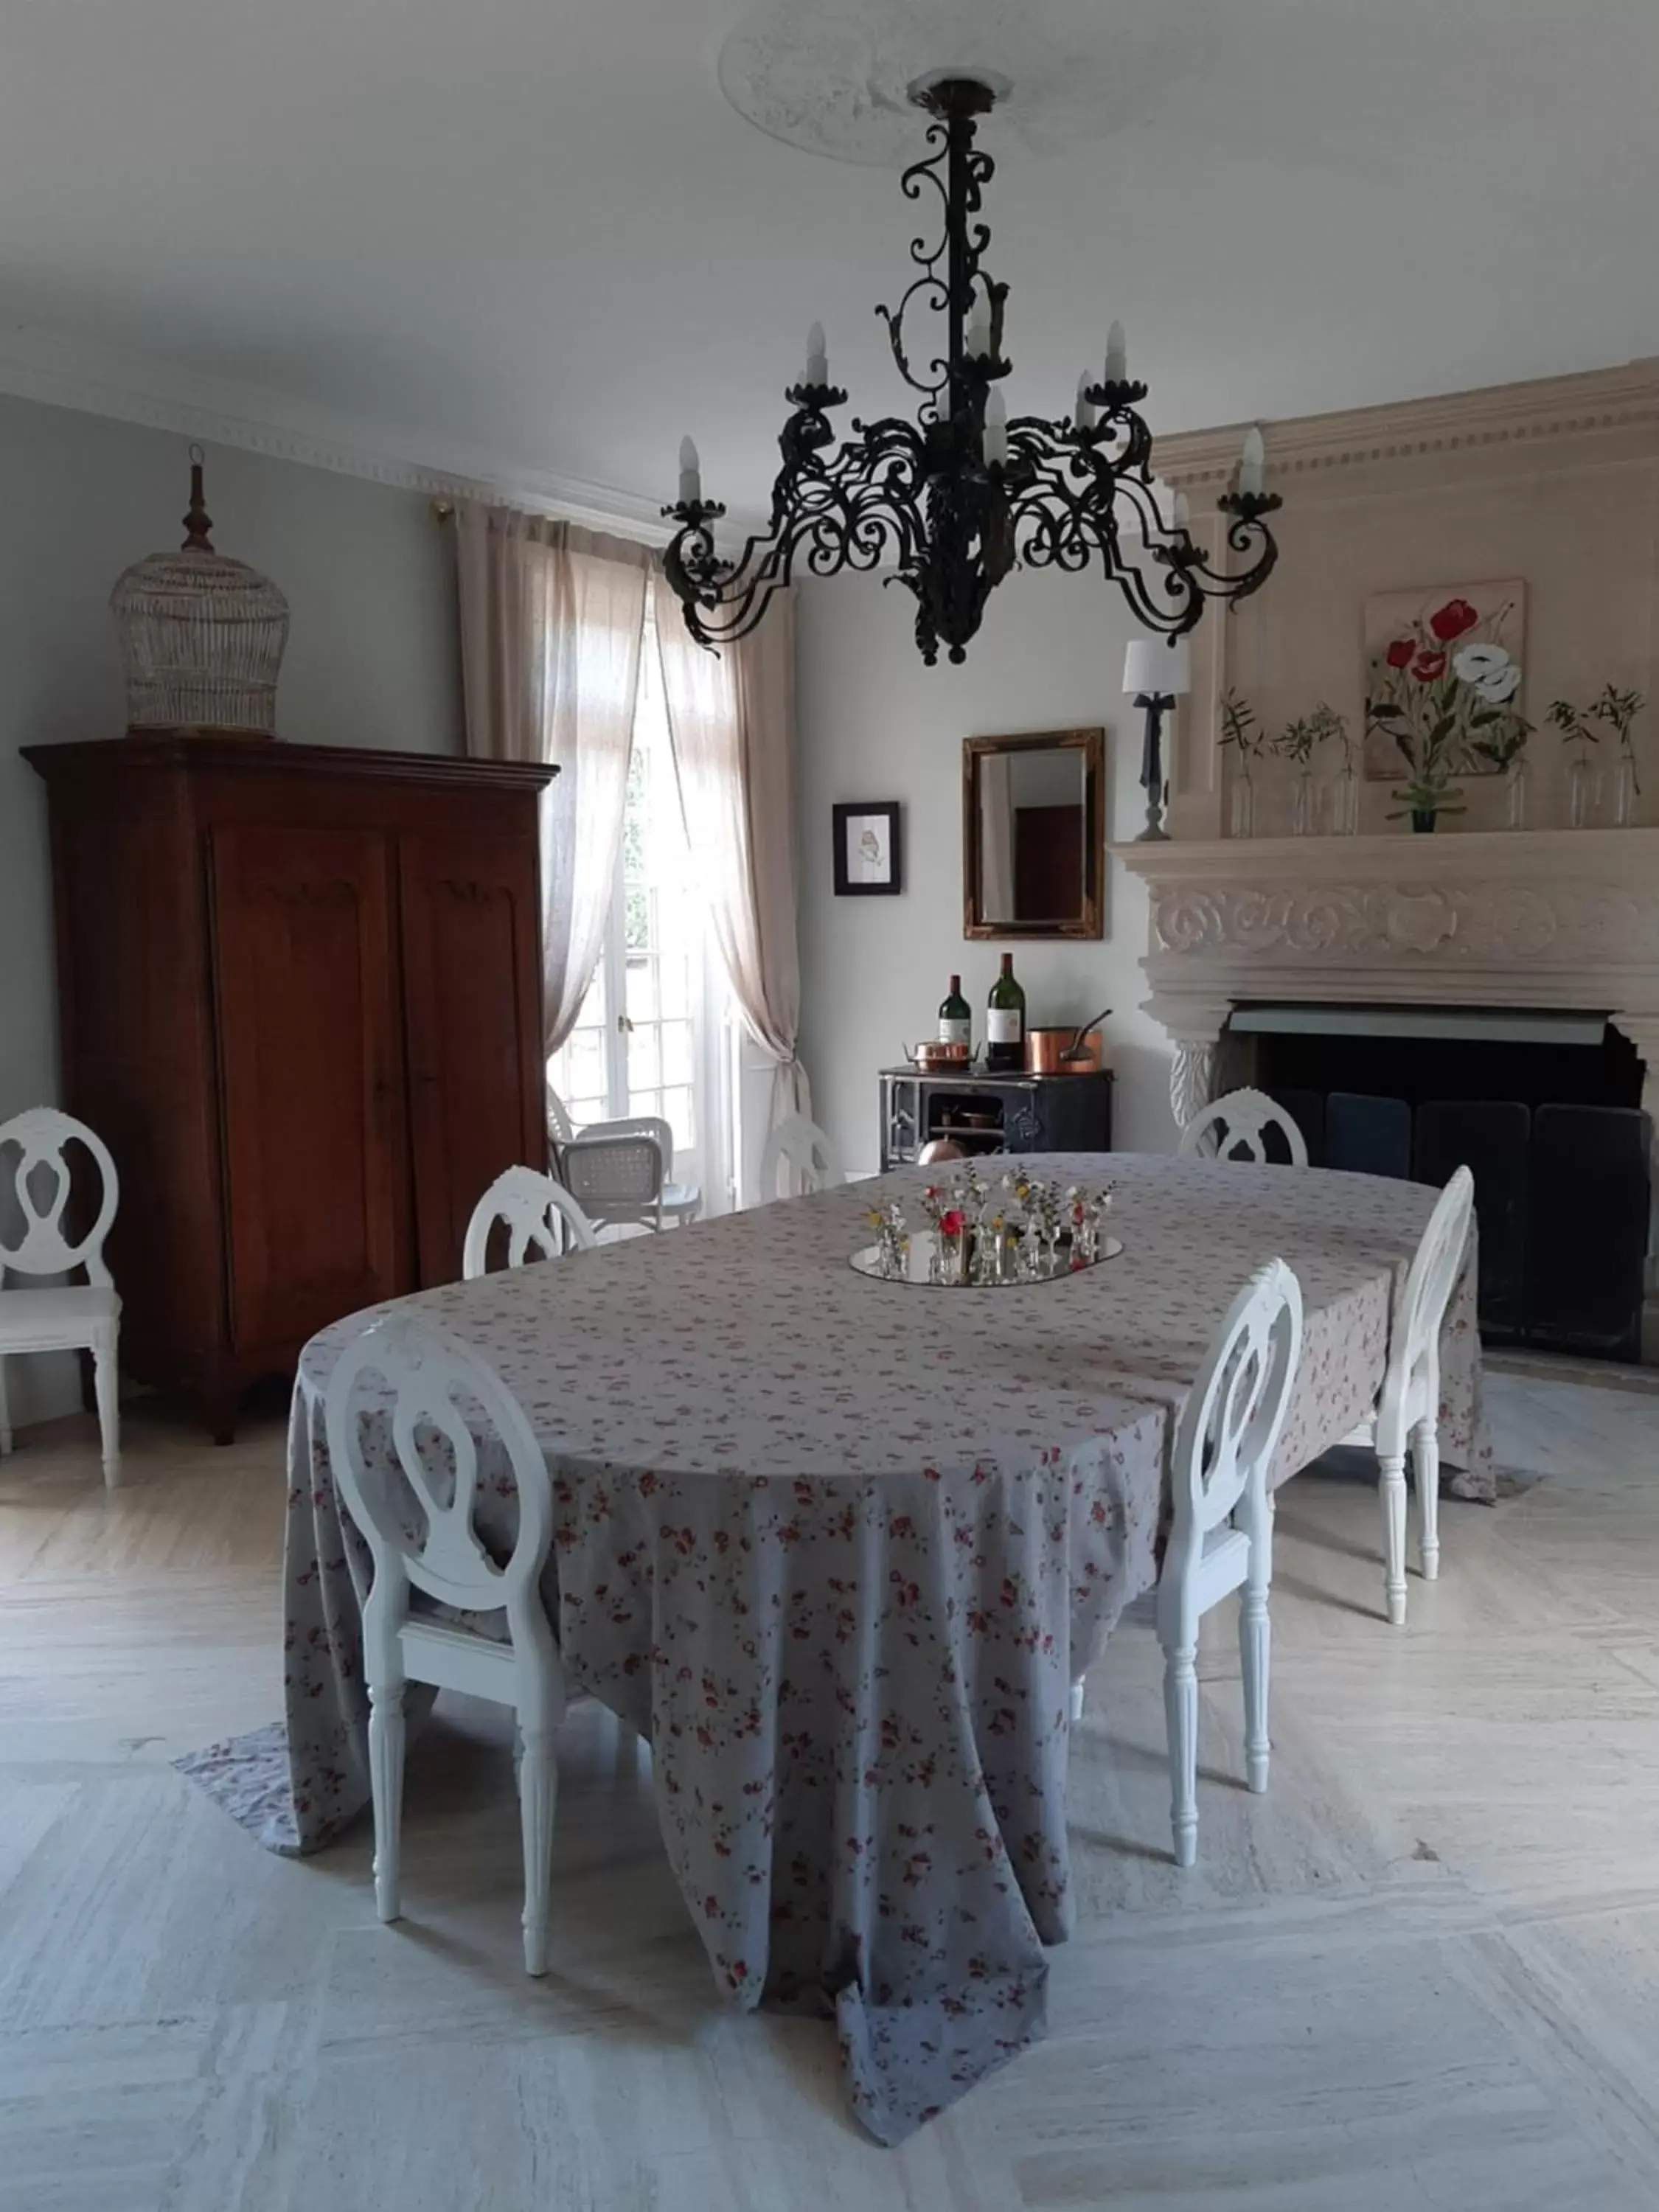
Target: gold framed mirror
column 1033, row 835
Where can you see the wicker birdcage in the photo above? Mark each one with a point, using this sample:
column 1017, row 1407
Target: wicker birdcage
column 201, row 635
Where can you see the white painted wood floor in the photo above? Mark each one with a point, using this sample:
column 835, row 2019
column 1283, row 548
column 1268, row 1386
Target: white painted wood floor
column 1423, row 1973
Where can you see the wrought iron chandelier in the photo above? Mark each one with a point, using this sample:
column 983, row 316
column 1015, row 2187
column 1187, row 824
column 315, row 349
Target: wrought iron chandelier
column 952, row 502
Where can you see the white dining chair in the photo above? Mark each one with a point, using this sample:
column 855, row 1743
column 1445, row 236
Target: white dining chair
column 429, row 1373
column 679, row 1202
column 541, row 1218
column 560, row 1127
column 1238, row 1124
column 69, row 1317
column 616, row 1180
column 808, row 1154
column 1222, row 1537
column 1407, row 1414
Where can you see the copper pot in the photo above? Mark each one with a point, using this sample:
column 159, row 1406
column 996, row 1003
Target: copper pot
column 1067, row 1051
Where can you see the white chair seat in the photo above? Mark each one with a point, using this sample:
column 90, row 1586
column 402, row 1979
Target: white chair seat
column 682, row 1202
column 58, row 1321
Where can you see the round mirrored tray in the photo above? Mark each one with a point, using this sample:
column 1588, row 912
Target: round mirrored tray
column 926, row 1267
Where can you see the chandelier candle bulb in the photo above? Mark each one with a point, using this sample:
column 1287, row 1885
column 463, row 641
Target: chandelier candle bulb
column 1085, row 406
column 1117, row 356
column 690, row 475
column 977, row 342
column 996, row 431
column 817, row 356
column 1179, row 512
column 1251, row 464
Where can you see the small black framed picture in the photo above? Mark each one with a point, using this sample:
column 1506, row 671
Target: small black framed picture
column 868, row 856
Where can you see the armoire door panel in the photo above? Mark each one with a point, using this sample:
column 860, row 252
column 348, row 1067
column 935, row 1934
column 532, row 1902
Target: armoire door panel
column 472, row 1018
column 312, row 1073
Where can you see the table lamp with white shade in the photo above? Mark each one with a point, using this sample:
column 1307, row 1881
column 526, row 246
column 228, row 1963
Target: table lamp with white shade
column 1154, row 676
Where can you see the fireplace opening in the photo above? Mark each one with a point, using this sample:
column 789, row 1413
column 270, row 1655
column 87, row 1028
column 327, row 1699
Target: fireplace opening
column 1544, row 1108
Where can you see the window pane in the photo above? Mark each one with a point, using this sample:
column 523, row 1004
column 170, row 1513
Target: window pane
column 584, row 1063
column 677, row 1052
column 642, row 990
column 643, row 1060
column 675, row 1111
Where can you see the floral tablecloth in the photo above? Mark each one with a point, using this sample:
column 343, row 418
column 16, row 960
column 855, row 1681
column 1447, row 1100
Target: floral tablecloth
column 839, row 1547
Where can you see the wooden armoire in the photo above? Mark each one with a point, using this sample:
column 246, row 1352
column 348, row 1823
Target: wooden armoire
column 300, row 998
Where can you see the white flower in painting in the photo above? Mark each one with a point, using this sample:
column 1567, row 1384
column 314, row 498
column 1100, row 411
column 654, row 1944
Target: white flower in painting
column 1488, row 670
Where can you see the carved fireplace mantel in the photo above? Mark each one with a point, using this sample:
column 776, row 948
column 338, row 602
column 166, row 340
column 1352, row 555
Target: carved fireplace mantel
column 1555, row 918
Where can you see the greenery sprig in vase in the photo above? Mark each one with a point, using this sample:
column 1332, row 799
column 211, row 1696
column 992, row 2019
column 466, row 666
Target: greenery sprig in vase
column 1578, row 736
column 1297, row 742
column 1617, row 710
column 1242, row 732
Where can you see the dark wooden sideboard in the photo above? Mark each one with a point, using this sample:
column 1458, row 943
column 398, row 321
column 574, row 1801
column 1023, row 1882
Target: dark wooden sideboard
column 300, row 999
column 993, row 1113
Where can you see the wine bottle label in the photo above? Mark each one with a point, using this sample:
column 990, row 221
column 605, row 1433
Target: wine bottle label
column 1002, row 1025
column 951, row 1033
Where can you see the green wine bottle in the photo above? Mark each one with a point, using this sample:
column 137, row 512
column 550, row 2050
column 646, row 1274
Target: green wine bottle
column 1004, row 1024
column 956, row 1019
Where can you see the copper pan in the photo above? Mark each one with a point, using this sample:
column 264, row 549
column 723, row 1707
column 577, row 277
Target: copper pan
column 1067, row 1051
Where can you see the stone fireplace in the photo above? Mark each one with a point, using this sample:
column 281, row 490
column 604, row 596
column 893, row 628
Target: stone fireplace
column 1558, row 922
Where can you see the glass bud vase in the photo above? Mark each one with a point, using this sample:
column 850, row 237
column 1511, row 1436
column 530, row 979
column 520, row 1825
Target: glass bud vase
column 1241, row 814
column 1582, row 781
column 1624, row 792
column 1304, row 822
column 1345, row 805
column 1515, row 793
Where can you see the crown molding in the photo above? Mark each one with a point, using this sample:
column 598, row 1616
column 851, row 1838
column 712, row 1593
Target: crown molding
column 1556, row 407
column 128, row 388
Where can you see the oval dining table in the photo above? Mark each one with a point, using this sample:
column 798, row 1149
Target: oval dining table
column 838, row 1548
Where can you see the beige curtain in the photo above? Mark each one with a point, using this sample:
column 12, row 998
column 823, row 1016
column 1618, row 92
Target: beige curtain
column 731, row 717
column 551, row 622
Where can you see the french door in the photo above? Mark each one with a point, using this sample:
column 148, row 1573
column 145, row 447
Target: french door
column 651, row 1037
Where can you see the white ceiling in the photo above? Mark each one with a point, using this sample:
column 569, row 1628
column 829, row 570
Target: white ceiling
column 519, row 236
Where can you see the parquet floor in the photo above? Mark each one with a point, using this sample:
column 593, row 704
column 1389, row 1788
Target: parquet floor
column 1423, row 1973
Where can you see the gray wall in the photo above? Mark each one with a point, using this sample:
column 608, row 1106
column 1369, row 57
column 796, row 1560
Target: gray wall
column 873, row 723
column 372, row 657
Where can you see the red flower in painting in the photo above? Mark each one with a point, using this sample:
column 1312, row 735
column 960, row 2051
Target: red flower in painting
column 1452, row 620
column 1400, row 652
column 953, row 1223
column 1428, row 666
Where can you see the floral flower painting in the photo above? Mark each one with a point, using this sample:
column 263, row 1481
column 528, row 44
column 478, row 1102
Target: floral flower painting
column 1444, row 665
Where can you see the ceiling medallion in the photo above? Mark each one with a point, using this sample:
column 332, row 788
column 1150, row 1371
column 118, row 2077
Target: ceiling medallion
column 952, row 502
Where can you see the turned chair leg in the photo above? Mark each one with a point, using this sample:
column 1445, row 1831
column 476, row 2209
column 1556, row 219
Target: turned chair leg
column 538, row 1785
column 1426, row 1466
column 1393, row 1537
column 386, row 1732
column 1181, row 1718
column 107, row 1387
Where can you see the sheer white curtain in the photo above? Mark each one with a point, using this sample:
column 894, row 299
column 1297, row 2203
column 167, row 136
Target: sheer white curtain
column 731, row 718
column 552, row 618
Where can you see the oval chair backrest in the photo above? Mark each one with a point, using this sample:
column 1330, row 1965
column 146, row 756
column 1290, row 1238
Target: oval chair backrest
column 602, row 1172
column 1234, row 1410
column 542, row 1220
column 430, row 1375
column 810, row 1155
column 559, row 1125
column 1430, row 1281
column 1240, row 1121
column 40, row 1135
column 635, row 1125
